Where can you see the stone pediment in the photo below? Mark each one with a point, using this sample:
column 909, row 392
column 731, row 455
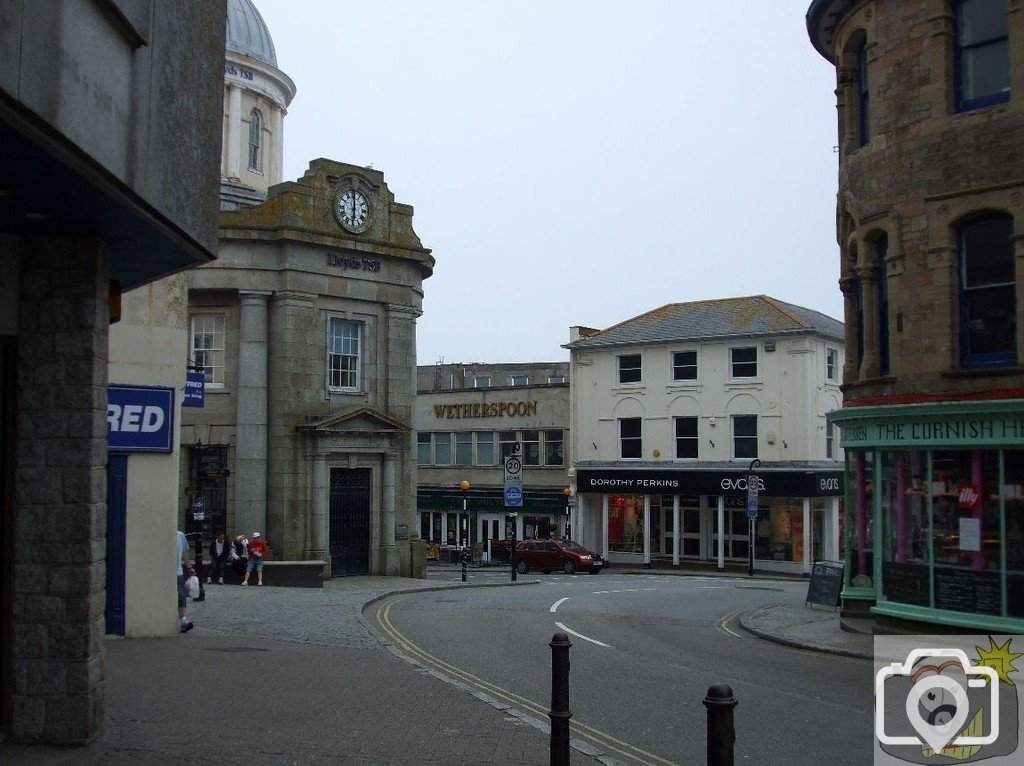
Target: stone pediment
column 360, row 420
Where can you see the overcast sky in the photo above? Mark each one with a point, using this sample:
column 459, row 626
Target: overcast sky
column 576, row 162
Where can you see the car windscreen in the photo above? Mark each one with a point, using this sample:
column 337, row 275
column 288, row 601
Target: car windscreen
column 573, row 546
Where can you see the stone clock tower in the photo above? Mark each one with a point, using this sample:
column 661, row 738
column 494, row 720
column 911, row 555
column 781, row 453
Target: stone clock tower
column 305, row 330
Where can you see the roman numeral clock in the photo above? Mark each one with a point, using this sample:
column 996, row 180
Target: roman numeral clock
column 352, row 210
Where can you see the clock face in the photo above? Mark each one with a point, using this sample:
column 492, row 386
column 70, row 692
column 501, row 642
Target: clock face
column 353, row 210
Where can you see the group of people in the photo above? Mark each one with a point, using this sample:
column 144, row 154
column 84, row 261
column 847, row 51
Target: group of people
column 243, row 556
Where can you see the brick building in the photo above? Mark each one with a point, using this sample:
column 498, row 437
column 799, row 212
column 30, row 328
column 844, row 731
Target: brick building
column 931, row 196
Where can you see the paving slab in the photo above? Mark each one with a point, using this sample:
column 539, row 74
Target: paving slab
column 806, row 627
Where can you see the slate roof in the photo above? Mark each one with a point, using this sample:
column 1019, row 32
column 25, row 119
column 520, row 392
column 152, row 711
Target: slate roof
column 755, row 315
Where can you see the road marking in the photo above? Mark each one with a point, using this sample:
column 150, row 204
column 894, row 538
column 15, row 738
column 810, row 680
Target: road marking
column 722, row 626
column 554, row 606
column 710, row 587
column 580, row 730
column 580, row 635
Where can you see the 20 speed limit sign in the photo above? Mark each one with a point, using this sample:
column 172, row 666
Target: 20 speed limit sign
column 513, row 470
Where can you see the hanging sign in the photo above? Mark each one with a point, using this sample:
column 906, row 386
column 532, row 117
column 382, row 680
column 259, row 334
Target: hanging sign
column 195, row 389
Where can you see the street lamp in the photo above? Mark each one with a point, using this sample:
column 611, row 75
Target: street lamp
column 568, row 513
column 464, row 486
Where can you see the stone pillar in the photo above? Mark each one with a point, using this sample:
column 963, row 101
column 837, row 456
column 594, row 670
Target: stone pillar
column 834, row 546
column 675, row 530
column 721, row 532
column 251, row 446
column 233, row 134
column 808, row 553
column 647, row 530
column 319, row 513
column 388, row 549
column 603, row 534
column 869, row 304
column 59, row 493
column 848, row 286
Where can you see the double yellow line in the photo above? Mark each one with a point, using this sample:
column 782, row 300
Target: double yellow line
column 722, row 625
column 578, row 730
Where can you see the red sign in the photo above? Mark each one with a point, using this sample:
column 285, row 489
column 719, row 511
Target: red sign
column 970, row 496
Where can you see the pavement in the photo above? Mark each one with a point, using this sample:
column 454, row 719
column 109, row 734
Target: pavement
column 295, row 675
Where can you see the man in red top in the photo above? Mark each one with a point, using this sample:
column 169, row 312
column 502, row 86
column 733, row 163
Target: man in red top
column 257, row 550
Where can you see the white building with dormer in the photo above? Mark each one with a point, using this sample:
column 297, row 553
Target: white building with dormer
column 672, row 410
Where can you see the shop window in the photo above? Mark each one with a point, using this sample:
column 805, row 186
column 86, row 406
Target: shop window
column 629, row 368
column 208, row 347
column 831, row 365
column 860, row 469
column 744, row 436
column 626, row 523
column 531, row 447
column 425, row 526
column 464, row 448
column 255, row 141
column 423, row 448
column 1013, row 494
column 686, row 438
column 903, row 503
column 743, row 362
column 485, row 448
column 508, row 442
column 553, row 448
column 863, row 96
column 982, row 53
column 684, row 365
column 443, row 448
column 630, row 438
column 343, row 355
column 988, row 303
column 778, row 531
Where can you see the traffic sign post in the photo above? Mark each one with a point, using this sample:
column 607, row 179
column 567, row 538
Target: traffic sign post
column 513, row 496
column 752, row 486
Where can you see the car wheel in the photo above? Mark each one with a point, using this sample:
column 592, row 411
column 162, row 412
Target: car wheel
column 568, row 567
column 521, row 567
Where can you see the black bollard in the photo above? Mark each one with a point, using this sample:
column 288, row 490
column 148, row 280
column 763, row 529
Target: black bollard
column 559, row 713
column 721, row 732
column 199, row 567
column 465, row 558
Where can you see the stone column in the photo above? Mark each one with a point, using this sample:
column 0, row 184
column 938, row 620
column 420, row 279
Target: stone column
column 647, row 531
column 603, row 534
column 675, row 531
column 59, row 494
column 251, row 418
column 319, row 512
column 721, row 532
column 869, row 305
column 233, row 134
column 808, row 553
column 848, row 286
column 388, row 549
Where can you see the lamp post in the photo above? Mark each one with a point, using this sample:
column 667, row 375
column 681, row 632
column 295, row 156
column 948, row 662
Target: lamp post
column 464, row 526
column 568, row 513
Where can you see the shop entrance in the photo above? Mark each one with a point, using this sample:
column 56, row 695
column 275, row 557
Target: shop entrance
column 737, row 533
column 350, row 521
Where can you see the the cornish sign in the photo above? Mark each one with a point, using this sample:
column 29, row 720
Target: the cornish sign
column 921, row 427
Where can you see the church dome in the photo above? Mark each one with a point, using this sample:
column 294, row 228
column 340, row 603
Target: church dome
column 248, row 34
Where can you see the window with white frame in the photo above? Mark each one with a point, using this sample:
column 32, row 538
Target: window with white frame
column 485, row 447
column 629, row 368
column 831, row 364
column 684, row 365
column 686, row 438
column 744, row 436
column 443, row 448
column 208, row 347
column 556, row 379
column 255, row 141
column 464, row 448
column 343, row 355
column 482, row 381
column 423, row 456
column 508, row 443
column 630, row 438
column 553, row 454
column 531, row 447
column 743, row 362
column 520, row 380
column 830, row 441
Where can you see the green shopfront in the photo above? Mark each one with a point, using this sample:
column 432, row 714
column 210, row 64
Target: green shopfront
column 934, row 512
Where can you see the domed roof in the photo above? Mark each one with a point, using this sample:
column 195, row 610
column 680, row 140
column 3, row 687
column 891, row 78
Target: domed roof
column 248, row 34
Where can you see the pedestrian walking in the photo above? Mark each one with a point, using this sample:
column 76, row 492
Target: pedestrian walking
column 257, row 550
column 184, row 566
column 220, row 555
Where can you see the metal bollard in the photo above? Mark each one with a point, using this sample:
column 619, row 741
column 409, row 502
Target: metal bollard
column 559, row 713
column 465, row 557
column 721, row 732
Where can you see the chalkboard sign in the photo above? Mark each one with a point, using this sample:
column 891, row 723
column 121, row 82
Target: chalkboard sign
column 826, row 583
column 964, row 590
column 906, row 583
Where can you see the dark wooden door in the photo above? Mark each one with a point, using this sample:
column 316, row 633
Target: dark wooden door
column 350, row 521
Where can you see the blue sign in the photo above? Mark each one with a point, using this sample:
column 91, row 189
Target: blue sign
column 752, row 508
column 140, row 419
column 195, row 389
column 513, row 496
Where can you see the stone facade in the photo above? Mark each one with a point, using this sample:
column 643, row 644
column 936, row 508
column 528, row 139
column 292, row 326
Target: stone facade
column 276, row 420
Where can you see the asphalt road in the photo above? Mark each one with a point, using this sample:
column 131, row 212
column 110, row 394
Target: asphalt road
column 645, row 650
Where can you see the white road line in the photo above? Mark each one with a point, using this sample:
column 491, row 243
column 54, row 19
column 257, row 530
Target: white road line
column 580, row 635
column 554, row 606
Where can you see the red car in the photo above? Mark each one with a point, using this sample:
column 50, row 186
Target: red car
column 549, row 555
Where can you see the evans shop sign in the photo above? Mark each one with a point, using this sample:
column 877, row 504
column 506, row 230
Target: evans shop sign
column 140, row 419
column 771, row 482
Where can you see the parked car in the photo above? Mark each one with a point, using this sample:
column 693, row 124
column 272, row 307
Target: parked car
column 549, row 555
